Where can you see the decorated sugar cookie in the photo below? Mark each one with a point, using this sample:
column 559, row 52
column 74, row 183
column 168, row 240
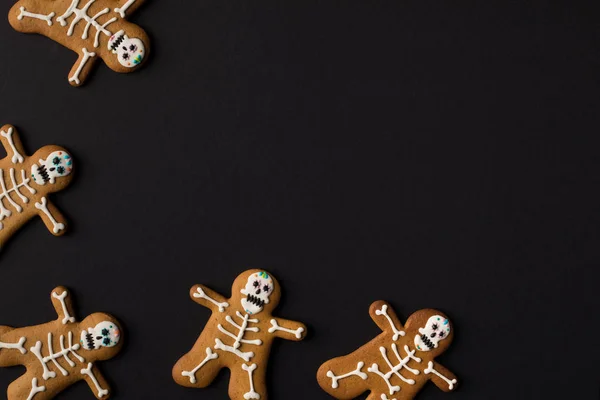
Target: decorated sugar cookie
column 238, row 336
column 397, row 363
column 94, row 29
column 60, row 353
column 26, row 182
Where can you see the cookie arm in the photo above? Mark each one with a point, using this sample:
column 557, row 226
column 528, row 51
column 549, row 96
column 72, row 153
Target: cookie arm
column 286, row 329
column 53, row 219
column 61, row 300
column 95, row 381
column 12, row 144
column 127, row 7
column 442, row 377
column 385, row 318
column 82, row 67
column 208, row 298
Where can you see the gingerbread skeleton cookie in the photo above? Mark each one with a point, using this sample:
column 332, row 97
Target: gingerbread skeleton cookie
column 94, row 29
column 397, row 363
column 25, row 183
column 60, row 353
column 238, row 336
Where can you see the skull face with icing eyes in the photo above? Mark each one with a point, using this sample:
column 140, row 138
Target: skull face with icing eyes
column 105, row 334
column 57, row 165
column 257, row 290
column 130, row 52
column 436, row 329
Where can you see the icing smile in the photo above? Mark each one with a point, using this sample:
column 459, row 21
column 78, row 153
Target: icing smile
column 258, row 302
column 43, row 171
column 427, row 342
column 116, row 40
column 89, row 341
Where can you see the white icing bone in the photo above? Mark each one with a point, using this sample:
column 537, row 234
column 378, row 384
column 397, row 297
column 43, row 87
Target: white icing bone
column 61, row 298
column 43, row 206
column 397, row 332
column 275, row 327
column 35, row 389
column 16, row 158
column 251, row 394
column 122, row 10
column 192, row 374
column 384, row 397
column 15, row 346
column 25, row 13
column 430, row 370
column 395, row 369
column 86, row 56
column 202, row 295
column 356, row 372
column 88, row 371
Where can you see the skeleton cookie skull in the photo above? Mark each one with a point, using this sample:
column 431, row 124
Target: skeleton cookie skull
column 238, row 336
column 257, row 290
column 105, row 334
column 397, row 363
column 130, row 52
column 57, row 165
column 437, row 328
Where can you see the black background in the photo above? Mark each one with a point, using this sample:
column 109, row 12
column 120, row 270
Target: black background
column 431, row 153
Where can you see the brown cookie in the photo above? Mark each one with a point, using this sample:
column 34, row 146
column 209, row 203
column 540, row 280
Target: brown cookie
column 25, row 183
column 60, row 353
column 238, row 336
column 397, row 363
column 92, row 28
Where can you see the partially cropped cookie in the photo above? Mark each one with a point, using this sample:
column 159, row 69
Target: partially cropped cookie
column 94, row 29
column 26, row 182
column 397, row 363
column 58, row 354
column 238, row 336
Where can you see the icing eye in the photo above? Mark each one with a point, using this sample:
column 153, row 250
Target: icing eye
column 106, row 342
column 256, row 284
column 105, row 332
column 60, row 170
column 125, row 56
column 133, row 48
column 441, row 334
column 266, row 288
column 56, row 160
column 434, row 327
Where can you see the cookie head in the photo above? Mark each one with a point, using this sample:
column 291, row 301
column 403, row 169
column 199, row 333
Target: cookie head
column 56, row 165
column 130, row 52
column 436, row 329
column 258, row 289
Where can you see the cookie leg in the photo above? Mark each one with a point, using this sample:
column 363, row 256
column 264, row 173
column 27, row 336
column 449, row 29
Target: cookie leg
column 247, row 382
column 345, row 377
column 28, row 388
column 197, row 370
